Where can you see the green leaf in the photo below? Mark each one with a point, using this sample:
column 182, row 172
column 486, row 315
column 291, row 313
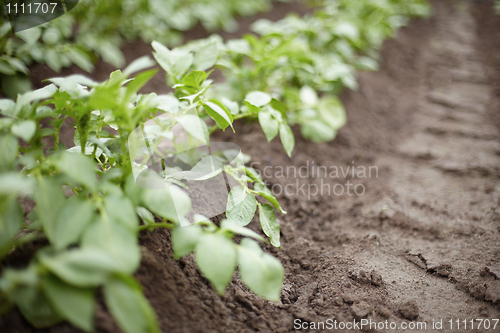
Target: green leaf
column 182, row 65
column 287, row 138
column 350, row 81
column 133, row 192
column 4, row 121
column 51, row 36
column 145, row 215
column 70, row 80
column 112, row 54
column 22, row 288
column 129, row 307
column 77, row 305
column 266, row 193
column 49, row 200
column 116, row 78
column 195, row 79
column 234, row 227
column 367, row 64
column 317, row 131
column 8, row 151
column 206, row 57
column 241, row 206
column 6, row 68
column 36, row 95
column 121, row 210
column 24, row 129
column 269, row 224
column 167, row 103
column 232, row 106
column 18, row 65
column 253, row 174
column 103, row 97
column 216, row 258
column 53, row 60
column 171, row 203
column 11, row 220
column 258, row 98
column 252, row 109
column 308, row 96
column 269, row 125
column 219, row 113
column 139, row 81
column 78, row 167
column 83, row 267
column 14, row 183
column 117, row 241
column 138, row 65
column 30, row 36
column 81, row 59
column 193, row 125
column 261, row 272
column 332, row 112
column 277, row 105
column 184, row 239
column 162, row 56
column 76, row 214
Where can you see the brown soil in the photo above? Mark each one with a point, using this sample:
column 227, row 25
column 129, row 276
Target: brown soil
column 420, row 244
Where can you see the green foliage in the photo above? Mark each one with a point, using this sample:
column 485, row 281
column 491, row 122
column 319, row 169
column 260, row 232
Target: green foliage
column 297, row 58
column 216, row 258
column 497, row 6
column 127, row 304
column 269, row 224
column 98, row 28
column 75, row 304
column 261, row 272
column 87, row 203
column 241, row 205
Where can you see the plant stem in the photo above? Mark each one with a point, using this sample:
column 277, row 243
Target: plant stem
column 156, row 225
column 126, row 164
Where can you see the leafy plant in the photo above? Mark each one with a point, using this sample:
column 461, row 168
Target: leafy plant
column 297, row 57
column 88, row 205
column 87, row 201
column 102, row 27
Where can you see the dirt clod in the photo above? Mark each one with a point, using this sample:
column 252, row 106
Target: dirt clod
column 338, row 301
column 359, row 275
column 477, row 289
column 350, row 298
column 409, row 310
column 376, row 278
column 384, row 312
column 361, row 310
column 493, row 292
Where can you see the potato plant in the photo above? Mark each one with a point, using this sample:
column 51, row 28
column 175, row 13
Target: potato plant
column 297, row 58
column 89, row 208
column 103, row 26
